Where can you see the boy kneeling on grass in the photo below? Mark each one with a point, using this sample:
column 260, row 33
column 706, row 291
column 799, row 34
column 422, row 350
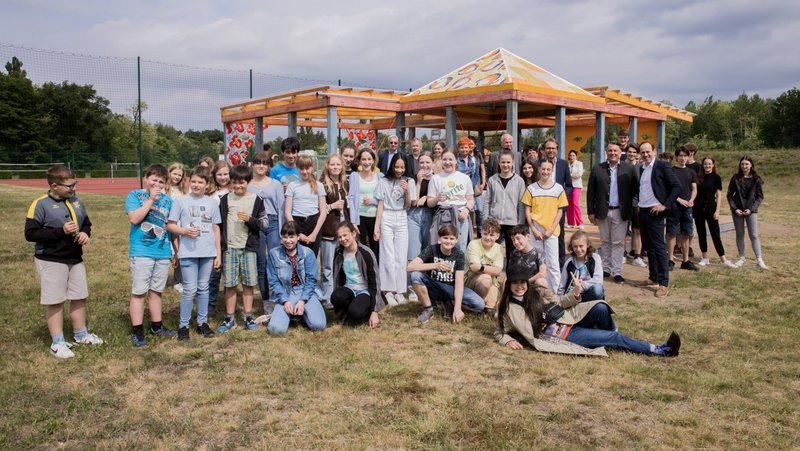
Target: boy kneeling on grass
column 150, row 251
column 243, row 218
column 485, row 263
column 57, row 222
column 437, row 275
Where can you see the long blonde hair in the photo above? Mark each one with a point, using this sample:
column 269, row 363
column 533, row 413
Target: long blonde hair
column 326, row 178
column 305, row 162
column 181, row 186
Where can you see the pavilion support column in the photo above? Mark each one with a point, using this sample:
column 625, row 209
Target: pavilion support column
column 292, row 117
column 450, row 126
column 633, row 133
column 400, row 127
column 259, row 136
column 481, row 144
column 412, row 133
column 512, row 122
column 561, row 130
column 661, row 136
column 332, row 129
column 600, row 136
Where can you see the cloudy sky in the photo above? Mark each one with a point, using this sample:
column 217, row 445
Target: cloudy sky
column 677, row 50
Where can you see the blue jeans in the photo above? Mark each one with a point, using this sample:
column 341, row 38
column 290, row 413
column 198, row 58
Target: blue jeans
column 593, row 338
column 479, row 214
column 313, row 314
column 267, row 240
column 419, row 230
column 444, row 293
column 593, row 293
column 326, row 250
column 196, row 273
column 599, row 317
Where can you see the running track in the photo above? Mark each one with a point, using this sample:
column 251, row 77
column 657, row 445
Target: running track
column 117, row 187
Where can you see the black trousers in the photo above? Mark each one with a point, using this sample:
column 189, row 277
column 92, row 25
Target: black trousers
column 701, row 217
column 354, row 309
column 367, row 235
column 652, row 226
column 306, row 226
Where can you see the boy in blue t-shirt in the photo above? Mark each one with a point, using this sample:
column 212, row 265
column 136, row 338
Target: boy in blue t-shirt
column 150, row 252
column 59, row 225
column 287, row 172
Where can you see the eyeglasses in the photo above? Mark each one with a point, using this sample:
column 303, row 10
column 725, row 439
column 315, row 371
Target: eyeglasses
column 70, row 186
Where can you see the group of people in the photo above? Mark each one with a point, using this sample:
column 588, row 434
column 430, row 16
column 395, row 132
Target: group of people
column 356, row 237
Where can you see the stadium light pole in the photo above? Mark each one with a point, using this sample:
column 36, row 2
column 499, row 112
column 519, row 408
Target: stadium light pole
column 139, row 118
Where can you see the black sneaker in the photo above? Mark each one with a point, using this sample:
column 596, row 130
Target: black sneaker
column 606, row 274
column 205, row 331
column 183, row 334
column 619, row 279
column 674, row 344
column 162, row 332
column 671, row 265
column 689, row 266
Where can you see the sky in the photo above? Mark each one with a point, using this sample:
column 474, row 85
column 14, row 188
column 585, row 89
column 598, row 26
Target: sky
column 669, row 50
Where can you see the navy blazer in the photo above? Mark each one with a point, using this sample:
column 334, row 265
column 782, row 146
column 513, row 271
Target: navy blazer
column 384, row 159
column 562, row 176
column 666, row 186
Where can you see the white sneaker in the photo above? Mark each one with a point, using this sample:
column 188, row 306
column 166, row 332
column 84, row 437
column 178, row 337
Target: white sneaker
column 390, row 299
column 62, row 350
column 729, row 264
column 703, row 262
column 761, row 264
column 178, row 287
column 90, row 339
column 639, row 262
column 412, row 297
column 742, row 261
column 400, row 298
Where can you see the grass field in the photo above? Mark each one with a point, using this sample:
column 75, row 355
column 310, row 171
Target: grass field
column 404, row 386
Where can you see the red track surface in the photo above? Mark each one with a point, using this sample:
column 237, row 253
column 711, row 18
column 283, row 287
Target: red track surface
column 117, row 187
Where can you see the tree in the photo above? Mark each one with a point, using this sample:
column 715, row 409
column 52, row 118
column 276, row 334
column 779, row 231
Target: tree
column 21, row 137
column 782, row 124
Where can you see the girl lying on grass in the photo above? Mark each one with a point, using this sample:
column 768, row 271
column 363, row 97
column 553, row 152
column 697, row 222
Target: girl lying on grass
column 564, row 324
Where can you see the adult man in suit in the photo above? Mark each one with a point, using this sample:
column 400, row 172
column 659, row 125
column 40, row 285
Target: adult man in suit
column 412, row 158
column 385, row 158
column 609, row 202
column 563, row 177
column 506, row 143
column 658, row 190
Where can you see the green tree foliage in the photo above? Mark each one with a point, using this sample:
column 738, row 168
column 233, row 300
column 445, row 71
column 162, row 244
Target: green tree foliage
column 782, row 125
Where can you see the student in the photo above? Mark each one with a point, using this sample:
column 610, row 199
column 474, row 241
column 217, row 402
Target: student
column 206, row 162
column 194, row 219
column 243, row 218
column 287, row 172
column 679, row 221
column 502, row 199
column 636, row 236
column 361, row 197
column 395, row 195
column 585, row 263
column 292, row 274
column 150, row 251
column 706, row 210
column 219, row 186
column 744, row 197
column 436, row 153
column 451, row 192
column 270, row 191
column 420, row 215
column 526, row 257
column 544, row 202
column 334, row 181
column 557, row 324
column 59, row 225
column 356, row 296
column 437, row 275
column 176, row 186
column 467, row 164
column 305, row 204
column 348, row 152
column 529, row 171
column 485, row 263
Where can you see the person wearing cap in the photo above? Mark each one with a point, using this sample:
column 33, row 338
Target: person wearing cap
column 623, row 139
column 564, row 324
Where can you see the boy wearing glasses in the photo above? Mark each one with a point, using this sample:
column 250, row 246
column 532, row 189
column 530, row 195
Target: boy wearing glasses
column 150, row 251
column 57, row 222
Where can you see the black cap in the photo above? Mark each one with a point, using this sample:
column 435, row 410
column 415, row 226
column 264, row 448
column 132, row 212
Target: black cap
column 517, row 272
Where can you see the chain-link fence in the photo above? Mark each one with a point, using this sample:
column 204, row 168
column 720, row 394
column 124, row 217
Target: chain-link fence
column 175, row 99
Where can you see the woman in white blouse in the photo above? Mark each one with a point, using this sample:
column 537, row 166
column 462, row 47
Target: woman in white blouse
column 574, row 218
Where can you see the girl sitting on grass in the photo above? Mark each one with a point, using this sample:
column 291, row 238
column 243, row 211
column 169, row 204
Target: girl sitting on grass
column 356, row 296
column 557, row 324
column 586, row 264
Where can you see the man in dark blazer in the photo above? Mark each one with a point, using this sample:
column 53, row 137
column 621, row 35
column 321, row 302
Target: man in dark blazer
column 385, row 157
column 563, row 177
column 658, row 190
column 609, row 202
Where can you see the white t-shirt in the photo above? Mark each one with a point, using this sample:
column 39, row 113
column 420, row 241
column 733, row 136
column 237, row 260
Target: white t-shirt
column 304, row 202
column 201, row 213
column 456, row 186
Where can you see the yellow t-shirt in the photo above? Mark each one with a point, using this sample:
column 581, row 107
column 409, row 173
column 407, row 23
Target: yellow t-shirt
column 545, row 204
column 477, row 253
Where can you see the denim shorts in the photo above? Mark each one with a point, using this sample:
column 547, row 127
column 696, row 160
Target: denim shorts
column 680, row 222
column 148, row 274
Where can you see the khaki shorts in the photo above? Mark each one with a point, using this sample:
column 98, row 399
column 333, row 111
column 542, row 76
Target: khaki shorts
column 61, row 282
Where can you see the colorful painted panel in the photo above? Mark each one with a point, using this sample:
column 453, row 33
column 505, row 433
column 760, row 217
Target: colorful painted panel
column 240, row 137
column 360, row 137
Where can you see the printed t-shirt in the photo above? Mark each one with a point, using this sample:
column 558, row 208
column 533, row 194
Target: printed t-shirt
column 393, row 197
column 456, row 186
column 149, row 238
column 201, row 213
column 433, row 254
